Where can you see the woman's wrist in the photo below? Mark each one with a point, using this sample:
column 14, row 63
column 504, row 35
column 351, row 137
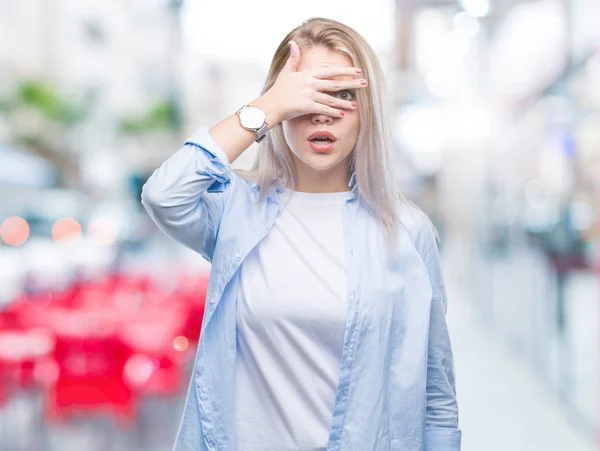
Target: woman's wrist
column 273, row 115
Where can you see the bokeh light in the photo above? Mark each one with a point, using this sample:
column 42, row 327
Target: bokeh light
column 66, row 230
column 138, row 369
column 103, row 231
column 476, row 8
column 14, row 231
column 180, row 343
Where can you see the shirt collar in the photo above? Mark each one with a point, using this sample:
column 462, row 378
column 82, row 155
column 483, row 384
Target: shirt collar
column 353, row 184
column 276, row 186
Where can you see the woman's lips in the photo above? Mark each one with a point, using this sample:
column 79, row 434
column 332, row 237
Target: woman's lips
column 322, row 147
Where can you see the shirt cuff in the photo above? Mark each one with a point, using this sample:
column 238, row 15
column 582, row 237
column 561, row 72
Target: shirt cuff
column 442, row 439
column 212, row 162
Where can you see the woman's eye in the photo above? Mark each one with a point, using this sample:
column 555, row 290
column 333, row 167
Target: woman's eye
column 346, row 95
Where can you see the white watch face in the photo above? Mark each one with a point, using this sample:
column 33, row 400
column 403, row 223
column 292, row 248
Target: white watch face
column 252, row 117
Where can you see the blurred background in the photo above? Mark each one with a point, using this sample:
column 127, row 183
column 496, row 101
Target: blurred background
column 496, row 127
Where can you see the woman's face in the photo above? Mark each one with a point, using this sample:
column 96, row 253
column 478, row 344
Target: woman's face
column 345, row 129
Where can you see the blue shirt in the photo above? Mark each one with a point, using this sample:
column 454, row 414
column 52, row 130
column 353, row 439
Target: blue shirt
column 396, row 389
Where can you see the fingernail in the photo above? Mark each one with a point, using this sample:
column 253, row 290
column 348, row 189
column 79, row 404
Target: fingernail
column 363, row 82
column 354, row 104
column 358, row 71
column 342, row 113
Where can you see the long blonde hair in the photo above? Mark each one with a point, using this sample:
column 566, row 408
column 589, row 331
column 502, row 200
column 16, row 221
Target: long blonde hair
column 370, row 160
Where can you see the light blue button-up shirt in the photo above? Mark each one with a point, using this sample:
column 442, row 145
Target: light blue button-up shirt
column 396, row 389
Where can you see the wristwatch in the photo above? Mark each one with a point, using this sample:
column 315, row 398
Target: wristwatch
column 253, row 119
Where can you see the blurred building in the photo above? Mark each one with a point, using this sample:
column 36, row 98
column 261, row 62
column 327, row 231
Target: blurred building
column 213, row 90
column 117, row 59
column 119, row 52
column 500, row 109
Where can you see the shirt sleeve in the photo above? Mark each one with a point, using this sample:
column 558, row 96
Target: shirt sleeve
column 442, row 431
column 186, row 195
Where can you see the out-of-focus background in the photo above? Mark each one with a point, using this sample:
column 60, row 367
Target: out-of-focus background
column 496, row 127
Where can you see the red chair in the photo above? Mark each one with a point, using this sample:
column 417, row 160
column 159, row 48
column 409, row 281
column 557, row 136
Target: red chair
column 3, row 384
column 192, row 293
column 91, row 359
column 20, row 352
column 154, row 335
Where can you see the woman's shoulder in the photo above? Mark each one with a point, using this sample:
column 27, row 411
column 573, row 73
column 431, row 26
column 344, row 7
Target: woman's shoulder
column 258, row 190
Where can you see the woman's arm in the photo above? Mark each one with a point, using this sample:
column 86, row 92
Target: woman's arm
column 442, row 431
column 234, row 139
column 187, row 194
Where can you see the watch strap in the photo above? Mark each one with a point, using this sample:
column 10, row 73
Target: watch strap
column 260, row 132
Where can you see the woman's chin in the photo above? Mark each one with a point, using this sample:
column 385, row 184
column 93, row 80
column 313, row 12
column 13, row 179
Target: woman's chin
column 321, row 162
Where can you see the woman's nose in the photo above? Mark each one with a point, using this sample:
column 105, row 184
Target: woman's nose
column 321, row 119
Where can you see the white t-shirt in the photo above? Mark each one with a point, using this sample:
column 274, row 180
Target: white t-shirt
column 291, row 316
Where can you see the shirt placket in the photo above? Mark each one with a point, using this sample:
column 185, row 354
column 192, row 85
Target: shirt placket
column 349, row 349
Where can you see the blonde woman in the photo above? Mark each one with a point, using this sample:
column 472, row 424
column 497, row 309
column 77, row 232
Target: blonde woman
column 324, row 326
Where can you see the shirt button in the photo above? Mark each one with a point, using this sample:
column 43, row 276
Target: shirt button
column 213, row 300
column 238, row 257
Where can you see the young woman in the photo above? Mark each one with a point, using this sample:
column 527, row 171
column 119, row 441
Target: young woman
column 324, row 326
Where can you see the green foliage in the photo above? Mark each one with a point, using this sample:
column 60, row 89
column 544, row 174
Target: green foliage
column 44, row 98
column 4, row 106
column 164, row 115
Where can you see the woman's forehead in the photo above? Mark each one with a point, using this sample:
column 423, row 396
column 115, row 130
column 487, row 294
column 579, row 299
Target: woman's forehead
column 319, row 57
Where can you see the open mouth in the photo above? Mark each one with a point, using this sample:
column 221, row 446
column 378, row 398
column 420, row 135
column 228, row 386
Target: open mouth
column 321, row 144
column 321, row 140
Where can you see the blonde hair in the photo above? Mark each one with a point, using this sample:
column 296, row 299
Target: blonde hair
column 370, row 160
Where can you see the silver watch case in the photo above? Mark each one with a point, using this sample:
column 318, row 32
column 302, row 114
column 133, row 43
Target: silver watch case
column 253, row 119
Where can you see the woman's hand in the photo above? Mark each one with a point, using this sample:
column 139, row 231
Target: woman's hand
column 297, row 93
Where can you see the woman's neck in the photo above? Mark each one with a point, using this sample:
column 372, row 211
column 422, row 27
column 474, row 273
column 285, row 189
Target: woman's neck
column 333, row 180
